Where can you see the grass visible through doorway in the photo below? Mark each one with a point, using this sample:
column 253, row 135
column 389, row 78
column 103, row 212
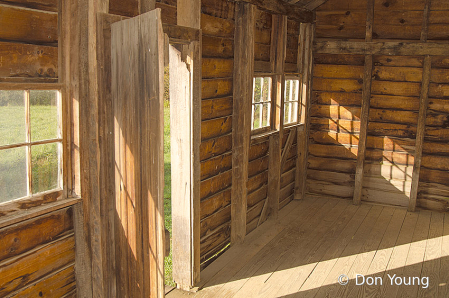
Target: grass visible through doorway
column 168, row 264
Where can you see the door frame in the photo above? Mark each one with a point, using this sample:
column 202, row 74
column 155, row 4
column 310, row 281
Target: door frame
column 185, row 133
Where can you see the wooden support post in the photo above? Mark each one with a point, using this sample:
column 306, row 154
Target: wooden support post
column 82, row 83
column 420, row 131
column 83, row 269
column 364, row 114
column 305, row 65
column 364, row 117
column 146, row 5
column 278, row 48
column 189, row 13
column 241, row 117
column 423, row 104
column 425, row 22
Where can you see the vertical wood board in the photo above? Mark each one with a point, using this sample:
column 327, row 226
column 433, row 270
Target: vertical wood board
column 241, row 119
column 137, row 82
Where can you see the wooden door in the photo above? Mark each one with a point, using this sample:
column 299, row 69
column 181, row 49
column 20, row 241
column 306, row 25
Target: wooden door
column 137, row 50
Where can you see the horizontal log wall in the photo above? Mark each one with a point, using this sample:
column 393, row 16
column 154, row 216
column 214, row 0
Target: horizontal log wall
column 394, row 106
column 433, row 189
column 29, row 41
column 335, row 124
column 217, row 24
column 37, row 256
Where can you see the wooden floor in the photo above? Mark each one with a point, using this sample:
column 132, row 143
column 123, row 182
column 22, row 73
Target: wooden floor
column 317, row 240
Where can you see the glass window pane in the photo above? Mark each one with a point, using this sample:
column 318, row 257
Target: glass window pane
column 286, row 111
column 295, row 90
column 43, row 115
column 291, row 96
column 12, row 117
column 44, row 167
column 266, row 90
column 290, row 112
column 291, row 91
column 13, row 174
column 256, row 89
column 256, row 119
column 266, row 114
column 261, row 113
column 287, row 89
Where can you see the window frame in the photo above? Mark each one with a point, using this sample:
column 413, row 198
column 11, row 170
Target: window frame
column 292, row 76
column 268, row 128
column 48, row 196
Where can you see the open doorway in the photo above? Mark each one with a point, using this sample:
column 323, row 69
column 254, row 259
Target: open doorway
column 168, row 261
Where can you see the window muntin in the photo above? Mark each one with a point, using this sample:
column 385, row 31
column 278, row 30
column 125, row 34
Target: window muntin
column 261, row 103
column 291, row 100
column 30, row 143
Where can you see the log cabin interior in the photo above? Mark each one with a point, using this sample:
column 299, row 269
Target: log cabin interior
column 309, row 156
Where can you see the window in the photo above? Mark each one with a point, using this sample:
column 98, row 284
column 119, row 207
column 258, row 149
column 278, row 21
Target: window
column 30, row 142
column 291, row 100
column 261, row 103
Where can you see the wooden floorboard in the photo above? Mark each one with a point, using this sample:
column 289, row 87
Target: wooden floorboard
column 293, row 272
column 319, row 227
column 318, row 239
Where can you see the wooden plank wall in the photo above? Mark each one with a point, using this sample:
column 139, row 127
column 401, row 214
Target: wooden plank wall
column 217, row 24
column 29, row 41
column 37, row 256
column 394, row 106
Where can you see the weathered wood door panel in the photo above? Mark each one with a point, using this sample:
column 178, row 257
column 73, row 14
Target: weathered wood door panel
column 137, row 84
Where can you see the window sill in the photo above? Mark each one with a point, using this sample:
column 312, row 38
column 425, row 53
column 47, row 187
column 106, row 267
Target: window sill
column 23, row 209
column 293, row 125
column 262, row 137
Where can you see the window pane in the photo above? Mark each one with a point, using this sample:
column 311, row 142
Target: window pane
column 261, row 89
column 291, row 96
column 13, row 173
column 45, row 167
column 290, row 112
column 261, row 113
column 12, row 117
column 43, row 115
column 257, row 115
column 266, row 114
column 295, row 93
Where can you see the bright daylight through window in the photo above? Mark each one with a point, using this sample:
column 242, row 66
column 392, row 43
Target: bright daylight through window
column 261, row 103
column 30, row 142
column 291, row 98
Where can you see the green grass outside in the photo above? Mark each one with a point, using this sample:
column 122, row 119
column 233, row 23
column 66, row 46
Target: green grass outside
column 168, row 266
column 167, row 193
column 44, row 158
